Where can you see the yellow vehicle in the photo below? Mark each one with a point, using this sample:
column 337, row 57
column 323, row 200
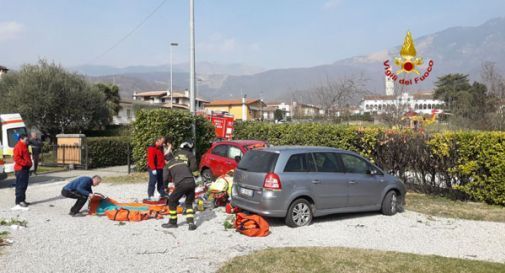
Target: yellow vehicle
column 419, row 122
column 11, row 127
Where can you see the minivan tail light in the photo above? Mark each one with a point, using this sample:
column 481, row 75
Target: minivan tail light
column 272, row 182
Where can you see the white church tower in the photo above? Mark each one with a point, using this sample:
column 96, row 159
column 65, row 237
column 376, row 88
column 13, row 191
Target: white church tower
column 390, row 86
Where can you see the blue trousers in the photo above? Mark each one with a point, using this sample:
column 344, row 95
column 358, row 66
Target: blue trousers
column 156, row 181
column 21, row 185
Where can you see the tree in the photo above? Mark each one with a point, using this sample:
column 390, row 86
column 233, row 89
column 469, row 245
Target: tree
column 470, row 104
column 449, row 87
column 112, row 97
column 335, row 94
column 494, row 81
column 278, row 115
column 53, row 100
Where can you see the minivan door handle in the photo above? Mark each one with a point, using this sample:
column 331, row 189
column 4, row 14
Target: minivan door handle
column 352, row 182
column 316, row 181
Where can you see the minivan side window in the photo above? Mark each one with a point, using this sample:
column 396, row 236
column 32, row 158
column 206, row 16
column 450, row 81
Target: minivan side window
column 328, row 163
column 300, row 163
column 221, row 150
column 354, row 164
column 258, row 161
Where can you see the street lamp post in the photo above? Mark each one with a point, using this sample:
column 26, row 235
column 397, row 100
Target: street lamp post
column 171, row 76
column 192, row 72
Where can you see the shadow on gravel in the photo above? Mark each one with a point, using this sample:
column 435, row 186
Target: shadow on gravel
column 205, row 216
column 39, row 179
column 36, row 202
column 279, row 222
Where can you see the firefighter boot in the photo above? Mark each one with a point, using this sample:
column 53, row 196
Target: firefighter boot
column 172, row 222
column 190, row 218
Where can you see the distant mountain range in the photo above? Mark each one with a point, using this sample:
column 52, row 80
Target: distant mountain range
column 454, row 50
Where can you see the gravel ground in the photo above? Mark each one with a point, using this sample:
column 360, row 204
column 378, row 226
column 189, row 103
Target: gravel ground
column 56, row 242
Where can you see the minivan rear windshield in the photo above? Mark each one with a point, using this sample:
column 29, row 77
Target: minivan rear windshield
column 258, row 161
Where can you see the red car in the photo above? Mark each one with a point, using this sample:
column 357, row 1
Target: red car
column 224, row 156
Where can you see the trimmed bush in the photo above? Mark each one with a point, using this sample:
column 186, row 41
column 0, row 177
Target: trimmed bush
column 472, row 163
column 107, row 151
column 152, row 123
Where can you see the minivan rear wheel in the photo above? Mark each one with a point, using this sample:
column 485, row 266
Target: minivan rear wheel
column 391, row 203
column 299, row 213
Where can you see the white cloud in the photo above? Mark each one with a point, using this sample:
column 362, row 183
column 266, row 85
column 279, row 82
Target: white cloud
column 10, row 30
column 331, row 4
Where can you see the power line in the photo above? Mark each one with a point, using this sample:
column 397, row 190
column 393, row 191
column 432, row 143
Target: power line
column 130, row 32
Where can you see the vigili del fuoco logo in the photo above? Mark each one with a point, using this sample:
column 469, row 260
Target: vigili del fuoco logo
column 408, row 63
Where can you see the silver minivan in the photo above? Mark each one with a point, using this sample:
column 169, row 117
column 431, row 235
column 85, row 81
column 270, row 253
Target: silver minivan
column 298, row 183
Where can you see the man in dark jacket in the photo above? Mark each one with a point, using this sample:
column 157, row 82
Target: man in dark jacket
column 22, row 165
column 80, row 189
column 181, row 175
column 36, row 145
column 155, row 164
column 185, row 154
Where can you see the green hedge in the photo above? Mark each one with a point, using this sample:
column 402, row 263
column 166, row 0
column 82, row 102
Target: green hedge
column 151, row 123
column 107, row 151
column 470, row 162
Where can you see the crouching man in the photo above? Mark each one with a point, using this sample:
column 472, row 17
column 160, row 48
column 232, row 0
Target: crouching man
column 180, row 174
column 80, row 189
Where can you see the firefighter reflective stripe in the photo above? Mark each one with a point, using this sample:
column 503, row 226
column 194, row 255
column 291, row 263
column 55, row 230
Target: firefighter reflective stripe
column 182, row 157
column 173, row 214
column 176, row 164
column 189, row 213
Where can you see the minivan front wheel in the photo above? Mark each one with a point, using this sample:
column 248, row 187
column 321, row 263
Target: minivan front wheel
column 299, row 213
column 391, row 203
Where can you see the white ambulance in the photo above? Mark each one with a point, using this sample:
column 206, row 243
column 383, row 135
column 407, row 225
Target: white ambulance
column 11, row 127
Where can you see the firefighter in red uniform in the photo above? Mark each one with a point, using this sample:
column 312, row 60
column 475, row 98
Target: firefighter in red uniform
column 22, row 165
column 155, row 165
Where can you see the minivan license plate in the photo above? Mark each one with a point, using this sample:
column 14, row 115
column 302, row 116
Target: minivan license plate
column 246, row 192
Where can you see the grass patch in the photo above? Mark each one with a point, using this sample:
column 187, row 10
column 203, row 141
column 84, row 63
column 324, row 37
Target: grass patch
column 445, row 207
column 127, row 179
column 346, row 260
column 13, row 221
column 48, row 169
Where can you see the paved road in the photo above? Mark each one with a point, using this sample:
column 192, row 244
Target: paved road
column 65, row 175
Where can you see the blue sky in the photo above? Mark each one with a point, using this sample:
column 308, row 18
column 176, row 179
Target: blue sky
column 265, row 33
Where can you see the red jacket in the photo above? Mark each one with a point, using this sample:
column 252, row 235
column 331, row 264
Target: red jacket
column 155, row 158
column 22, row 157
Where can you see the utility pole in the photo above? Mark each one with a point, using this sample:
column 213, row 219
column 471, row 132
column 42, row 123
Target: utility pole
column 192, row 76
column 171, row 77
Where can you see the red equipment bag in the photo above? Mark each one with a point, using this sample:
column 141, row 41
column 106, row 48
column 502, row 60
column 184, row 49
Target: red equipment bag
column 252, row 225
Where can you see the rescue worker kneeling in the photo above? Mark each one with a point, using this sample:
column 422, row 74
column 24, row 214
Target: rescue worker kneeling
column 180, row 174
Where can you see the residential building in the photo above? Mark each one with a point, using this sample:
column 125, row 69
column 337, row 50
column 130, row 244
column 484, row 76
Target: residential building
column 180, row 99
column 126, row 114
column 241, row 109
column 292, row 110
column 269, row 112
column 302, row 110
column 286, row 109
column 3, row 70
column 422, row 103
